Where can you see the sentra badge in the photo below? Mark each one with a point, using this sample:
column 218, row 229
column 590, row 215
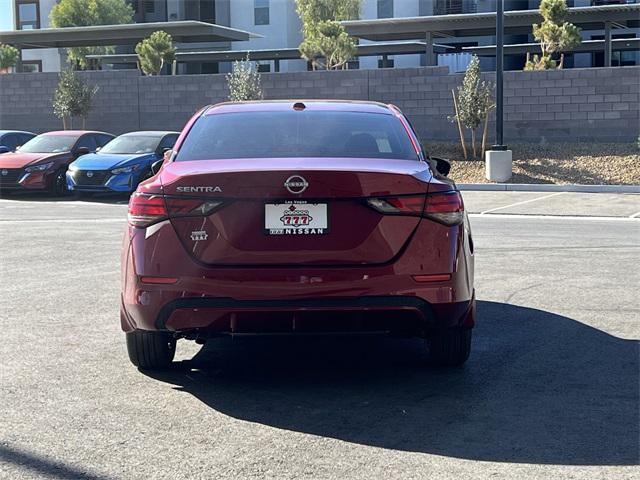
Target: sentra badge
column 199, row 189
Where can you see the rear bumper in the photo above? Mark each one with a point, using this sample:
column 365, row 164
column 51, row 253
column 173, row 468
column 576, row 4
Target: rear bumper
column 405, row 315
column 367, row 313
column 194, row 297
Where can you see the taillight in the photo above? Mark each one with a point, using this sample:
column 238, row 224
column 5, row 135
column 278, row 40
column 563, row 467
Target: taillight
column 443, row 207
column 145, row 209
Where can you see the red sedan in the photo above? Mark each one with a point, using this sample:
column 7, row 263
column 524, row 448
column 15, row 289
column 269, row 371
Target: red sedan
column 42, row 162
column 293, row 218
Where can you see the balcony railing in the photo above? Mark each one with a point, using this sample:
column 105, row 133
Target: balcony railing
column 448, row 7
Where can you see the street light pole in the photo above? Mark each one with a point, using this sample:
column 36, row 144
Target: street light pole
column 499, row 68
column 498, row 160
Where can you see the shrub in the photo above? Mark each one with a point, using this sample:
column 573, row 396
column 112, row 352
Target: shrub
column 154, row 52
column 326, row 43
column 472, row 103
column 554, row 35
column 244, row 82
column 72, row 98
column 8, row 56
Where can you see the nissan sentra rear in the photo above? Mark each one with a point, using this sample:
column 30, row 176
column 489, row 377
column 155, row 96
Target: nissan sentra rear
column 309, row 217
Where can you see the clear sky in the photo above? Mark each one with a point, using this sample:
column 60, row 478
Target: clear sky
column 6, row 15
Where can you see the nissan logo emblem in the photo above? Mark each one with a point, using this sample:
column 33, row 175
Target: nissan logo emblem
column 296, row 184
column 89, row 174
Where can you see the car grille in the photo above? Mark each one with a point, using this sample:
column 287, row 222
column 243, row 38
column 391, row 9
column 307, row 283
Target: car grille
column 10, row 176
column 98, row 177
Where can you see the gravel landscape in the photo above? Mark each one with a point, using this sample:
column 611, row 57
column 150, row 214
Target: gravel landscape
column 559, row 163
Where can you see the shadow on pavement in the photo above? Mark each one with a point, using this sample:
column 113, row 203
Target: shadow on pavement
column 538, row 388
column 43, row 467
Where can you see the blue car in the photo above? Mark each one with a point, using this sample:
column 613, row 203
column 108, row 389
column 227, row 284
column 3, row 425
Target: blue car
column 121, row 164
column 12, row 139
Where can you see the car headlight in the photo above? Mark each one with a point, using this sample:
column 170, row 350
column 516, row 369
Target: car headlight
column 129, row 169
column 39, row 168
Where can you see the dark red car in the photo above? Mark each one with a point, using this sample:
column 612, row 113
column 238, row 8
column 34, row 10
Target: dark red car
column 297, row 217
column 42, row 162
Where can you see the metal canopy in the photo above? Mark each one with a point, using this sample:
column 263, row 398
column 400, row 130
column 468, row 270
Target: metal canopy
column 585, row 46
column 480, row 24
column 188, row 31
column 366, row 50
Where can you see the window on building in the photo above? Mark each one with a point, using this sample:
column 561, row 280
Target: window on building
column 261, row 12
column 385, row 62
column 385, row 8
column 264, row 67
column 31, row 66
column 27, row 14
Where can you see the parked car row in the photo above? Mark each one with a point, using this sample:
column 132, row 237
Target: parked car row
column 79, row 161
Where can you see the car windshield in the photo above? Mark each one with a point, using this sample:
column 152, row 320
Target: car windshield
column 297, row 134
column 49, row 144
column 132, row 144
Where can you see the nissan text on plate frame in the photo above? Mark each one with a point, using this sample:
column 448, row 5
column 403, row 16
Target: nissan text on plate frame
column 283, row 217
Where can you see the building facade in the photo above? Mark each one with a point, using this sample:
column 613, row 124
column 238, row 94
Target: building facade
column 279, row 26
column 29, row 15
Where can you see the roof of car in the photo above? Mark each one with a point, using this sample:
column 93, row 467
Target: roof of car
column 151, row 133
column 75, row 132
column 4, row 132
column 284, row 105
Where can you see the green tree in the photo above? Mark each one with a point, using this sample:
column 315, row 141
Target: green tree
column 73, row 98
column 473, row 102
column 326, row 43
column 154, row 52
column 554, row 34
column 81, row 13
column 244, row 82
column 8, row 56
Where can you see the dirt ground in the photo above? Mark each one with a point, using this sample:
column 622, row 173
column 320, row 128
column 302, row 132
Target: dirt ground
column 560, row 163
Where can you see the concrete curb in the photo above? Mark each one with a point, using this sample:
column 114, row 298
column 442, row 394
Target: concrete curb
column 544, row 187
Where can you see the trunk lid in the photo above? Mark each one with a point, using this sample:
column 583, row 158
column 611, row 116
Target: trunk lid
column 323, row 196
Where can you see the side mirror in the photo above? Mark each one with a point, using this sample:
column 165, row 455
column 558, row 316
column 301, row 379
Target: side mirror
column 98, row 149
column 156, row 166
column 4, row 149
column 442, row 165
column 82, row 151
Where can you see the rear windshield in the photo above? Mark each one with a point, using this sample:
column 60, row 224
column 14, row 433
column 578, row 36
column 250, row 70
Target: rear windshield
column 297, row 134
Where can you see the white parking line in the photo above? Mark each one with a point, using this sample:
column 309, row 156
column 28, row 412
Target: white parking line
column 553, row 217
column 635, row 215
column 523, row 202
column 65, row 220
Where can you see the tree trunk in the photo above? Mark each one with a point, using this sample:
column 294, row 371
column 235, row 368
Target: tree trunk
column 484, row 134
column 473, row 142
column 84, row 123
column 455, row 104
column 64, row 122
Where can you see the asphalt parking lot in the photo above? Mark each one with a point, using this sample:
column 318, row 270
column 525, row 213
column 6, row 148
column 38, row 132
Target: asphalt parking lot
column 550, row 391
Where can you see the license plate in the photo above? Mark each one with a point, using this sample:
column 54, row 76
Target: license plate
column 295, row 218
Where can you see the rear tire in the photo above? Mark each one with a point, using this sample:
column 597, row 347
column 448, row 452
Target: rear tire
column 150, row 350
column 450, row 347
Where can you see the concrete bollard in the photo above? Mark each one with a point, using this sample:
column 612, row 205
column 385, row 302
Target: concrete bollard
column 498, row 165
